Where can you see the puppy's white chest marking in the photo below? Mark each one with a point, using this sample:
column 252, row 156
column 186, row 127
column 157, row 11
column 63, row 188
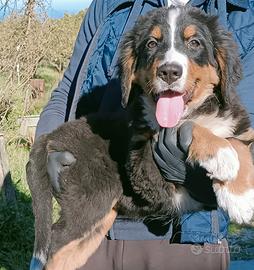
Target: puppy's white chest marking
column 221, row 127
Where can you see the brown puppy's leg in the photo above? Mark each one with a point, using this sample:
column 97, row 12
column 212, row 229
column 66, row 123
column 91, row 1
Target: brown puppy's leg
column 214, row 154
column 237, row 197
column 75, row 254
column 229, row 164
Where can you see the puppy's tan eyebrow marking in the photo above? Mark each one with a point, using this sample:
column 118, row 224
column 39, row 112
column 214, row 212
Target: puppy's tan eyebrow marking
column 189, row 31
column 156, row 32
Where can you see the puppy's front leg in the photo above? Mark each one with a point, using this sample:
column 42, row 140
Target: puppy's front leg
column 214, row 154
column 141, row 170
column 237, row 197
column 151, row 194
column 230, row 166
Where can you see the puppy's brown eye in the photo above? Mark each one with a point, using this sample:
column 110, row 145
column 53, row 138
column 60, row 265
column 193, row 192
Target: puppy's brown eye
column 151, row 44
column 194, row 44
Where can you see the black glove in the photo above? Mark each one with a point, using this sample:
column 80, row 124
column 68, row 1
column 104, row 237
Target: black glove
column 170, row 154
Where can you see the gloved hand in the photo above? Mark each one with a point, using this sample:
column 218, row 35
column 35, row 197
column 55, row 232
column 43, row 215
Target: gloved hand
column 170, row 154
column 171, row 150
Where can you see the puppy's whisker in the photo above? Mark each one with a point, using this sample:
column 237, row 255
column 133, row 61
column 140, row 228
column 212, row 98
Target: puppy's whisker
column 149, row 86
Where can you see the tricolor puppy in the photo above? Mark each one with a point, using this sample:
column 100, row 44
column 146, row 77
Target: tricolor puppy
column 190, row 66
column 187, row 67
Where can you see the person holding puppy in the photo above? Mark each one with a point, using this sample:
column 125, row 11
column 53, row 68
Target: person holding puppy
column 93, row 67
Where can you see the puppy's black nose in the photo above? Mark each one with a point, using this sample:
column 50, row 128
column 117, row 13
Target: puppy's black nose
column 170, row 72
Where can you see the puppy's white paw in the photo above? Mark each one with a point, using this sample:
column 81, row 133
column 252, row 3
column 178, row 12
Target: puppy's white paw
column 224, row 166
column 240, row 208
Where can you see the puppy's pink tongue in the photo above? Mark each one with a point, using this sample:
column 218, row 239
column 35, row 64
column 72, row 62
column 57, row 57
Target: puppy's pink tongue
column 169, row 109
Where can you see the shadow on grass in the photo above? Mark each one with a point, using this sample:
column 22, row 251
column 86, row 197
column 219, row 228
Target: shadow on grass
column 16, row 233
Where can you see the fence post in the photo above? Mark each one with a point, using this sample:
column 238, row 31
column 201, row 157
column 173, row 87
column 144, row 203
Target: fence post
column 5, row 175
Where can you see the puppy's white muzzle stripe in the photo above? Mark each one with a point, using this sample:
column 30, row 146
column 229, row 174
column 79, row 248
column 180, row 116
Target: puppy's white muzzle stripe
column 177, row 3
column 173, row 56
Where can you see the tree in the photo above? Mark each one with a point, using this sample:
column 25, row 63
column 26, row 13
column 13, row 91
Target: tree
column 7, row 6
column 24, row 38
column 63, row 35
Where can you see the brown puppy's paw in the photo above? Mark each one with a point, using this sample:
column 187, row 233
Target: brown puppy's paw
column 223, row 166
column 237, row 197
column 214, row 154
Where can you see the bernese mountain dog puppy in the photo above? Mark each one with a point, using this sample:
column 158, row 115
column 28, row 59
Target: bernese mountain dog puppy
column 176, row 65
column 191, row 69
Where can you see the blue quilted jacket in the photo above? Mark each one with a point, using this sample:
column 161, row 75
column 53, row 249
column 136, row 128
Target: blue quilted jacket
column 93, row 64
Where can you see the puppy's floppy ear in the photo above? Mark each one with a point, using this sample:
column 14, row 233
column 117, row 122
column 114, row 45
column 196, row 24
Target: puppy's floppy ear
column 227, row 57
column 127, row 67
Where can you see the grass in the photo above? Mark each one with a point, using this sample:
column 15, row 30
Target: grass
column 16, row 233
column 16, row 220
column 51, row 78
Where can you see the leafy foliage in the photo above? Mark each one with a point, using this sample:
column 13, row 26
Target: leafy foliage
column 63, row 33
column 30, row 40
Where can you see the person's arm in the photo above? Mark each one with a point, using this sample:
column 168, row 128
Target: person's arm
column 54, row 113
column 245, row 87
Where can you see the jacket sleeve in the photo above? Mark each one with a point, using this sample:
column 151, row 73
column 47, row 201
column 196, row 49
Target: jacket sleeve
column 54, row 113
column 245, row 87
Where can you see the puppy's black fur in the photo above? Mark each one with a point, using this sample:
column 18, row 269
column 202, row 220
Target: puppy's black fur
column 90, row 185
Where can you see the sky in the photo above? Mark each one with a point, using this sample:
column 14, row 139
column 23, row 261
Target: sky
column 59, row 7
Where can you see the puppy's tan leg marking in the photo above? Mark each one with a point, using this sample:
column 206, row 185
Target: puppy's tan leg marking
column 76, row 253
column 237, row 197
column 214, row 154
